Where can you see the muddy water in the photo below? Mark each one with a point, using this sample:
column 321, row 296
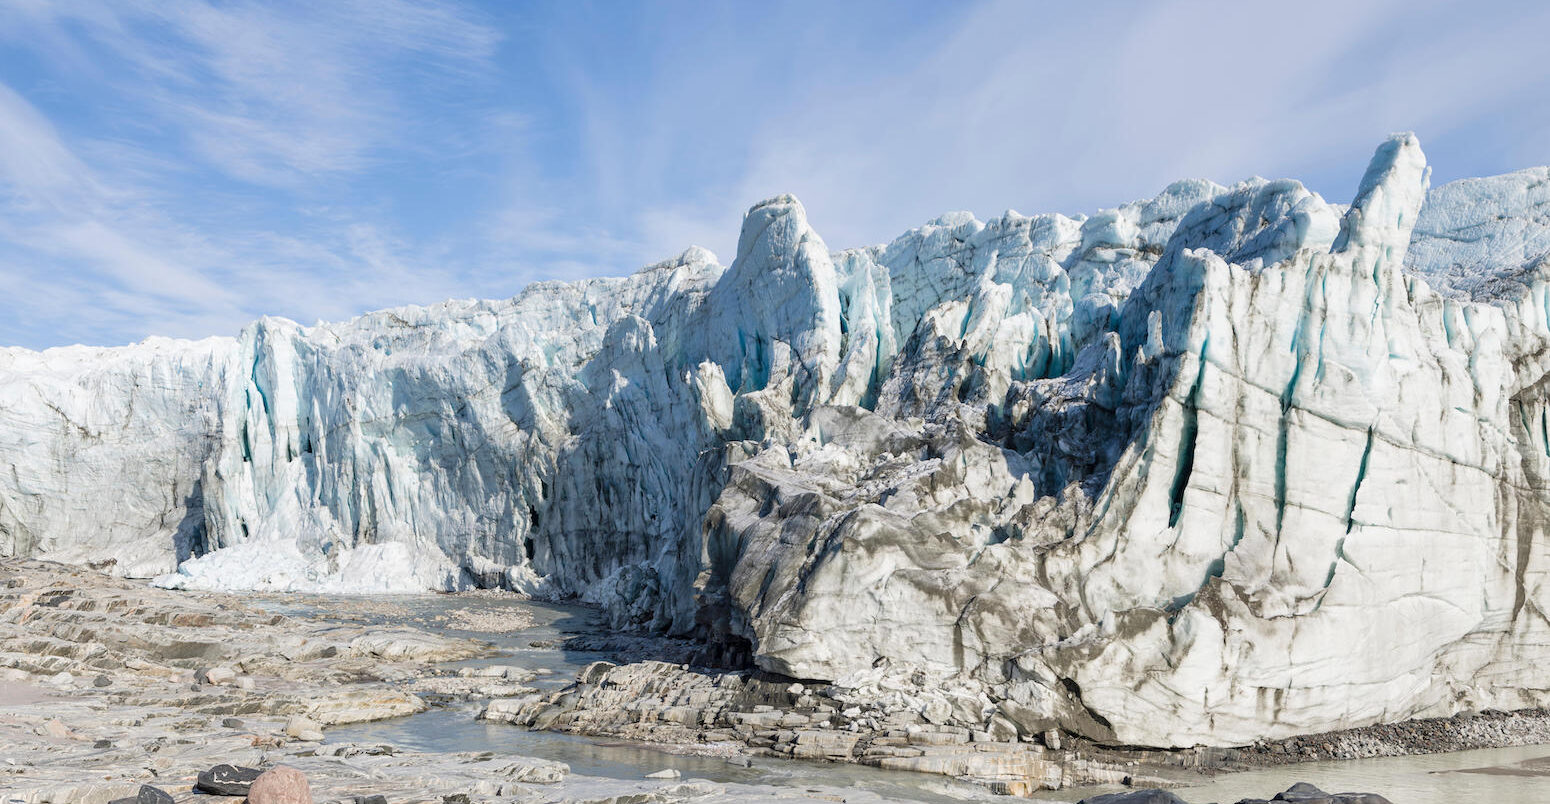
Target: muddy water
column 1519, row 775
column 18, row 693
column 456, row 730
column 537, row 647
column 1500, row 776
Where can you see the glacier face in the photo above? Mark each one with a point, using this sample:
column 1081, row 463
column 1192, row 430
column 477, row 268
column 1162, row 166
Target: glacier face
column 1227, row 464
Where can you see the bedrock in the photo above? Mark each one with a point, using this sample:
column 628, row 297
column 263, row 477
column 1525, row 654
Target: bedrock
column 1229, row 464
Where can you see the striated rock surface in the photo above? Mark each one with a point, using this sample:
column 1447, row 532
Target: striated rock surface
column 147, row 740
column 1229, row 464
column 662, row 703
column 114, row 643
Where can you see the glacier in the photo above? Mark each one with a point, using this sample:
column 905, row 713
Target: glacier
column 1228, row 464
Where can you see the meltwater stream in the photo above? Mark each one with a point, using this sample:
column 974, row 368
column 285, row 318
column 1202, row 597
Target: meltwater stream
column 454, row 728
column 1519, row 775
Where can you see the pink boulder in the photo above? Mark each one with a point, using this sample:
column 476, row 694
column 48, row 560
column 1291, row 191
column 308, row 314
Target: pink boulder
column 280, row 785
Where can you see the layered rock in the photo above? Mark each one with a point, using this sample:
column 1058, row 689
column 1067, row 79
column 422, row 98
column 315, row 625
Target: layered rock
column 658, row 702
column 1229, row 464
column 113, row 643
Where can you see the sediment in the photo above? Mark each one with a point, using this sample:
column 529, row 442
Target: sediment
column 108, row 684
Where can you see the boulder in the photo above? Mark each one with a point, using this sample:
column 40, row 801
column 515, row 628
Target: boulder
column 594, row 672
column 1304, row 793
column 305, row 729
column 281, row 784
column 227, row 780
column 1151, row 796
column 146, row 795
column 214, row 675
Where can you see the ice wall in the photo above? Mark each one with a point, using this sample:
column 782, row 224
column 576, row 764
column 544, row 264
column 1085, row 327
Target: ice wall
column 1230, row 463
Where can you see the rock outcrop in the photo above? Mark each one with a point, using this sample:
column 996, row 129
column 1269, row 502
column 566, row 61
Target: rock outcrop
column 1229, row 464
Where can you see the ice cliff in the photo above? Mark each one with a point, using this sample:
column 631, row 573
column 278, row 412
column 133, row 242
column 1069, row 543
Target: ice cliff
column 1231, row 463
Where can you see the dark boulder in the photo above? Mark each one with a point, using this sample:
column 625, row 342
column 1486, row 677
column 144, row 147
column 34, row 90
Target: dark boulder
column 1152, row 796
column 1304, row 793
column 146, row 795
column 227, row 780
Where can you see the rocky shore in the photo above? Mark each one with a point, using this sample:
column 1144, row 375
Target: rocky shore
column 746, row 712
column 1462, row 732
column 107, row 685
column 924, row 725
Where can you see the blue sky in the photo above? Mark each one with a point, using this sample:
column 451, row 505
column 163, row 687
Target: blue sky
column 179, row 168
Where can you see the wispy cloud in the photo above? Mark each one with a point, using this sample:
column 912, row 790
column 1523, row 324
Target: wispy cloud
column 879, row 125
column 154, row 215
column 269, row 92
column 1032, row 107
column 181, row 167
column 59, row 212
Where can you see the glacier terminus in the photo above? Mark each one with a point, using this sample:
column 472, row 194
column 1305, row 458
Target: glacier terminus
column 1228, row 464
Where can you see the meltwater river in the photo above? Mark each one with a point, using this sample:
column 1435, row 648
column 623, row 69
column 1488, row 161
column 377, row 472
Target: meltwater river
column 1519, row 775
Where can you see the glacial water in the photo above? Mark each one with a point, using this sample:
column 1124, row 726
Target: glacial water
column 1519, row 775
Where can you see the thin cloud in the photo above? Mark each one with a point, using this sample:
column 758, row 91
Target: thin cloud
column 180, row 168
column 272, row 93
column 58, row 208
column 263, row 96
column 41, row 171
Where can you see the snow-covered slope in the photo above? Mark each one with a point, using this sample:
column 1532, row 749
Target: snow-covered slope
column 1226, row 464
